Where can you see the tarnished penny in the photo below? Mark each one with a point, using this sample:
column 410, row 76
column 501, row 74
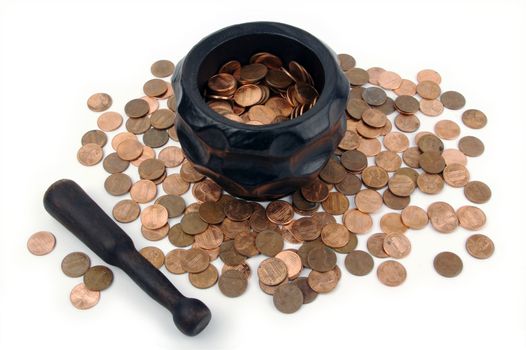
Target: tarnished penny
column 452, row 100
column 448, row 264
column 414, row 217
column 238, row 210
column 98, row 278
column 272, row 271
column 375, row 245
column 143, row 191
column 99, row 102
column 126, row 211
column 118, row 184
column 430, row 183
column 174, row 204
column 368, row 201
column 391, row 273
column 316, row 191
column 172, row 156
column 129, row 149
column 204, row 279
column 279, row 212
column 374, row 96
column 293, row 262
column 41, row 243
column 109, row 121
column 350, row 185
column 113, row 164
column 155, row 234
column 429, row 143
column 480, row 246
column 428, row 89
column 333, row 172
column 391, row 223
column 155, row 138
column 471, row 146
column 75, row 264
column 442, row 217
column 375, row 177
column 154, row 216
column 407, row 123
column 432, row 162
column 90, row 154
column 395, row 202
column 397, row 245
column 232, row 283
column 155, row 87
column 269, row 242
column 162, row 118
column 324, row 282
column 154, row 255
column 406, row 104
column 346, row 61
column 288, row 298
column 474, row 119
column 359, row 263
column 211, row 212
column 137, row 108
column 210, row 238
column 82, row 298
column 178, row 237
column 357, row 76
column 121, row 137
column 471, row 218
column 195, row 260
column 354, row 161
column 447, row 129
column 335, row 203
column 162, row 68
column 321, row 259
column 306, row 229
column 456, row 175
column 357, row 222
column 308, row 293
column 192, row 223
column 477, row 192
column 173, row 261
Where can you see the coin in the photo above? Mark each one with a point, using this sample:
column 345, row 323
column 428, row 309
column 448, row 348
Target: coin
column 375, row 245
column 155, row 87
column 269, row 242
column 350, row 185
column 154, row 255
column 41, row 243
column 288, row 298
column 480, row 246
column 430, row 183
column 113, row 164
column 357, row 76
column 232, row 283
column 143, row 191
column 429, row 143
column 395, row 202
column 389, row 80
column 388, row 160
column 173, row 261
column 210, row 238
column 243, row 267
column 429, row 74
column 204, row 279
column 155, row 138
column 162, row 68
column 391, row 223
column 308, row 293
column 397, row 245
column 126, row 211
column 428, row 89
column 356, row 221
column 448, row 264
column 456, row 175
column 477, row 192
column 98, row 278
column 293, row 262
column 229, row 255
column 192, row 224
column 136, row 108
column 138, row 126
column 321, row 259
column 109, row 121
column 178, row 237
column 414, row 217
column 90, row 154
column 279, row 212
column 432, row 162
column 315, row 191
column 129, row 149
column 431, row 108
column 368, row 201
column 333, row 172
column 306, row 229
column 442, row 217
column 162, row 118
column 396, row 142
column 211, row 212
column 75, row 264
column 174, row 204
column 335, row 204
column 238, row 210
column 447, row 129
column 471, row 146
column 195, row 260
column 474, row 119
column 375, row 177
column 391, row 273
column 155, row 216
column 324, row 282
column 99, row 102
column 454, row 156
column 155, row 234
column 354, row 161
column 272, row 271
column 346, row 61
column 401, row 185
column 356, row 107
column 452, row 100
column 406, row 104
column 172, row 156
column 359, row 263
column 175, row 185
column 82, row 298
column 118, row 184
column 471, row 218
column 374, row 96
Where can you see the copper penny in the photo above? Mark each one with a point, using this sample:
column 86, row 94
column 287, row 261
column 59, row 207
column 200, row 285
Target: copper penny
column 359, row 263
column 430, row 183
column 109, row 121
column 374, row 74
column 272, row 271
column 356, row 221
column 178, row 237
column 388, row 160
column 162, row 68
column 269, row 242
column 370, row 147
column 204, row 279
column 368, row 201
column 357, row 76
column 98, row 278
column 411, row 157
column 288, row 298
column 195, row 260
column 429, row 143
column 137, row 108
column 154, row 255
column 428, row 89
column 99, row 102
column 155, row 87
column 401, row 185
column 324, row 282
column 431, row 108
column 452, row 100
column 448, row 264
column 432, row 162
column 155, row 138
column 375, row 177
column 456, row 175
column 90, row 154
column 414, row 217
column 143, row 191
column 245, row 244
column 129, row 149
column 442, row 217
column 406, row 104
column 232, row 228
column 211, row 212
column 153, row 104
column 356, row 107
column 471, row 146
column 354, row 161
column 474, row 119
column 471, row 218
column 395, row 202
column 454, row 156
column 172, row 156
column 391, row 223
column 151, row 169
column 447, row 129
column 480, row 246
column 253, row 72
column 192, row 223
column 368, row 131
column 389, row 80
column 207, row 190
column 243, row 267
column 75, row 264
column 238, row 210
column 429, row 74
column 118, row 184
column 173, row 261
column 155, row 234
column 315, row 191
column 154, row 216
column 333, row 172
column 82, row 298
column 477, row 192
column 336, row 203
column 229, row 255
column 374, row 96
column 174, row 204
column 308, row 293
column 305, row 249
column 335, row 235
column 232, row 283
column 147, row 153
column 346, row 61
column 407, row 87
column 120, row 137
column 293, row 262
column 350, row 185
column 162, row 118
column 407, row 123
column 248, row 95
column 113, row 164
column 397, row 245
column 279, row 212
column 174, row 184
column 375, row 245
column 391, row 273
column 41, row 243
column 126, row 211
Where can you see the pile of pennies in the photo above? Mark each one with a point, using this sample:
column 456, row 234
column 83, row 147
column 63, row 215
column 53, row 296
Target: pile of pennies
column 262, row 92
column 301, row 235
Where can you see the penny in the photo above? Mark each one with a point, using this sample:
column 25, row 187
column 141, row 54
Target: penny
column 82, row 298
column 129, row 149
column 270, row 290
column 243, row 267
column 253, row 72
column 232, row 228
column 204, row 279
column 324, row 282
column 195, row 260
column 407, row 87
column 447, row 129
column 259, row 221
column 388, row 160
column 406, row 104
column 171, row 104
column 409, row 172
column 207, row 190
column 471, row 146
column 374, row 74
column 75, row 264
column 178, row 237
column 456, row 175
column 346, row 61
column 336, row 203
column 315, row 191
column 153, row 104
column 375, row 177
column 356, row 221
column 366, row 131
column 143, row 191
column 308, row 293
column 407, row 123
column 288, row 298
column 368, row 201
column 374, row 118
column 99, row 102
column 155, row 234
column 98, row 278
column 41, row 243
column 374, row 96
column 154, row 216
column 357, row 76
column 452, row 100
column 172, row 156
column 387, row 107
column 155, row 138
column 174, row 204
column 391, row 273
column 155, row 87
column 245, row 244
column 356, row 107
column 432, row 162
column 109, row 121
column 430, row 75
column 430, row 143
column 359, row 263
column 118, row 184
column 401, row 185
column 321, row 259
column 293, row 262
column 397, row 245
column 119, row 138
column 189, row 173
column 174, row 184
column 136, row 108
column 395, row 202
column 428, row 89
column 448, row 264
column 90, row 154
column 173, row 261
column 389, row 80
column 477, row 192
column 232, row 283
column 211, row 212
column 430, row 183
column 269, row 242
column 471, row 218
column 279, row 105
column 480, row 246
column 375, row 245
column 431, row 108
column 126, row 211
column 411, row 157
column 350, row 185
column 229, row 255
column 305, row 249
column 162, row 68
column 454, row 156
column 278, row 79
column 238, row 210
column 154, row 255
column 396, row 142
column 279, row 212
column 272, row 271
column 442, row 217
column 370, row 147
column 354, row 161
column 192, row 224
column 414, row 217
column 113, row 164
column 162, row 119
column 333, row 172
column 474, row 119
column 391, row 223
column 138, row 126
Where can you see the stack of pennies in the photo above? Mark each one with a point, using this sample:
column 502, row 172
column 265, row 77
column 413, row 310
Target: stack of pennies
column 261, row 92
column 299, row 236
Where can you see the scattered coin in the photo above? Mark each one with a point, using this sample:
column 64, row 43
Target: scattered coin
column 195, row 260
column 414, row 217
column 324, row 282
column 118, row 184
column 448, row 264
column 269, row 243
column 109, row 121
column 474, row 119
column 471, row 218
column 452, row 100
column 442, row 217
column 471, row 146
column 99, row 102
column 308, row 293
column 174, row 261
column 98, row 278
column 321, row 259
column 397, row 245
column 480, row 246
column 90, row 154
column 154, row 255
column 154, row 216
column 75, row 264
column 41, row 243
column 429, row 75
column 126, row 211
column 293, row 262
column 113, row 164
column 288, row 298
column 391, row 273
column 162, row 68
column 82, row 298
column 447, row 129
column 204, row 279
column 232, row 283
column 477, row 192
column 272, row 271
column 359, row 263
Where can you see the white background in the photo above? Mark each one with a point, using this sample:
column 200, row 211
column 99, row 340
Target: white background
column 55, row 54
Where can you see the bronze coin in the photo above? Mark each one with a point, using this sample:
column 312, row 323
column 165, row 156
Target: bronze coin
column 442, row 217
column 431, row 108
column 153, row 103
column 238, row 210
column 428, row 89
column 178, row 237
column 211, row 212
column 430, row 143
column 367, row 131
column 232, row 228
column 279, row 105
column 356, row 107
column 321, row 259
column 359, row 263
column 411, row 157
column 388, row 160
column 315, row 191
column 471, row 218
column 192, row 224
column 407, row 123
column 346, row 61
column 454, row 156
column 82, row 298
column 259, row 221
column 189, row 173
column 474, row 119
column 171, row 103
column 98, row 278
column 248, row 95
column 155, row 138
column 357, row 76
column 204, row 279
column 374, row 118
column 270, row 290
column 126, row 211
column 308, row 293
column 138, row 126
column 396, row 141
column 155, row 234
column 154, row 87
column 90, row 154
column 195, row 260
column 305, row 249
column 391, row 273
column 375, row 177
column 432, row 162
column 75, row 264
column 471, row 146
column 162, row 68
column 113, row 164
column 389, row 80
column 243, row 267
column 154, row 255
column 387, row 108
column 207, row 190
column 323, row 219
column 174, row 184
column 456, row 175
column 269, row 242
column 406, row 104
column 229, row 255
column 293, row 262
column 430, row 183
column 448, row 264
column 395, row 202
column 245, row 244
column 174, row 204
column 129, row 149
column 354, row 161
column 391, row 223
column 414, row 217
column 447, row 129
column 162, row 118
column 279, row 212
column 368, row 201
column 118, row 184
column 333, row 172
column 272, row 271
column 477, row 192
column 109, row 121
column 452, row 100
column 324, row 282
column 120, row 137
column 136, row 108
column 374, row 74
column 232, row 283
column 407, row 87
column 397, row 245
column 173, row 261
column 147, row 153
column 350, row 185
column 374, row 96
column 336, row 203
column 99, row 102
column 154, row 216
column 375, row 245
column 429, row 74
column 288, row 298
column 356, row 221
column 480, row 246
column 41, row 243
column 253, row 72
column 401, row 185
column 172, row 156
column 143, row 191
